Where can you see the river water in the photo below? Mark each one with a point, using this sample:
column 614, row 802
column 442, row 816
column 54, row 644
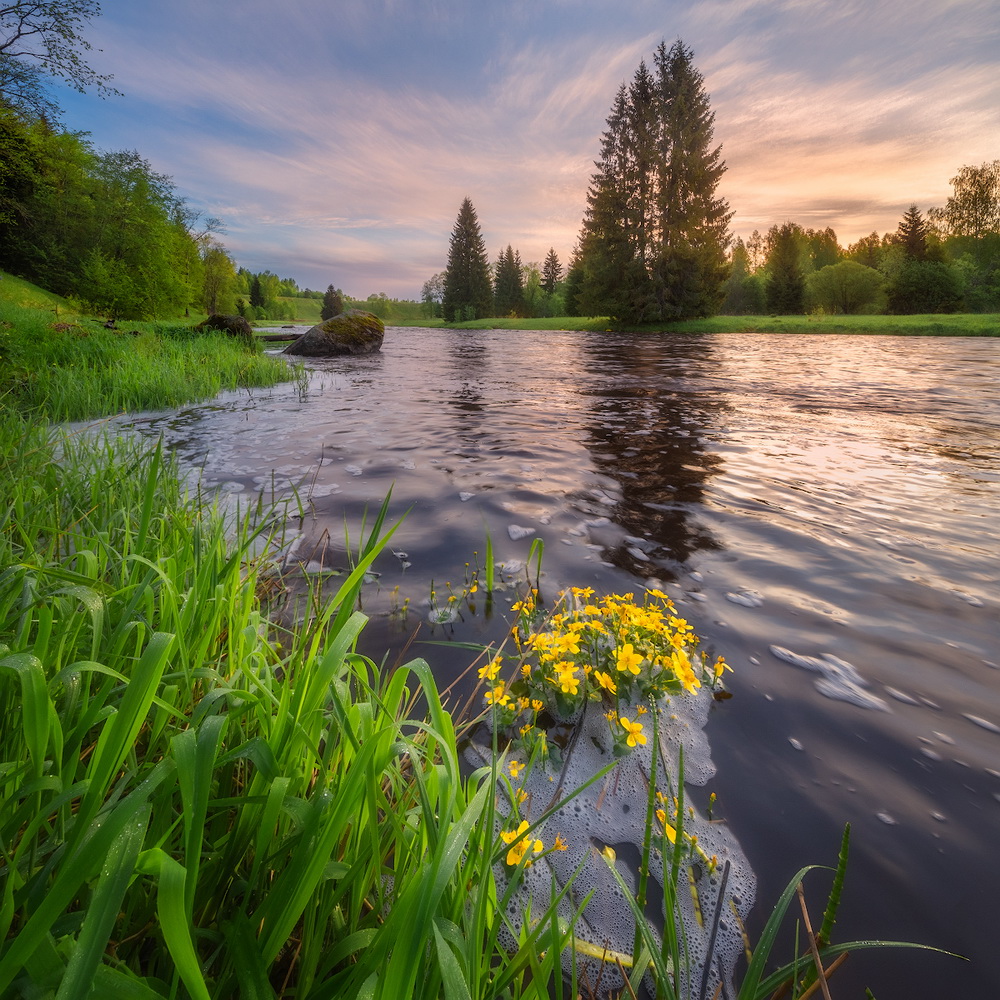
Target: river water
column 824, row 509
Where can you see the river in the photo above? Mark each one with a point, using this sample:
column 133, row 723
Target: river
column 824, row 502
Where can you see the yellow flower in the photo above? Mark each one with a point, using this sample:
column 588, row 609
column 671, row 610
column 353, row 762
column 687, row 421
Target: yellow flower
column 520, row 795
column 516, row 767
column 634, row 730
column 520, row 844
column 605, row 681
column 537, row 705
column 568, row 682
column 560, row 844
column 497, row 696
column 720, row 666
column 667, row 828
column 628, row 659
column 489, row 671
column 640, row 709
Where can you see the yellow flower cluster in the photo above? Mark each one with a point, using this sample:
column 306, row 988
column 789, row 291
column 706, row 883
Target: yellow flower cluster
column 614, row 650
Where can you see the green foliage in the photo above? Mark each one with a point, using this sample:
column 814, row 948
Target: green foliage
column 846, row 287
column 912, row 235
column 785, row 288
column 468, row 293
column 654, row 237
column 974, row 209
column 42, row 39
column 333, row 303
column 551, row 271
column 75, row 370
column 219, row 281
column 744, row 290
column 925, row 286
column 508, row 288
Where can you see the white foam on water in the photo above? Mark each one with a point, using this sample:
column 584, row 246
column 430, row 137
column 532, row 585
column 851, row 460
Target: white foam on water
column 610, row 814
column 840, row 680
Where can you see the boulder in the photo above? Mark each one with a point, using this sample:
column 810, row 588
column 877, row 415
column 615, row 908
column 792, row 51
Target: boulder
column 350, row 332
column 235, row 326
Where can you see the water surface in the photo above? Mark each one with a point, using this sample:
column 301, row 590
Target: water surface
column 837, row 498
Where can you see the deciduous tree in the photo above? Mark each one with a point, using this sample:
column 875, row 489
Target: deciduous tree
column 974, row 209
column 845, row 287
column 41, row 38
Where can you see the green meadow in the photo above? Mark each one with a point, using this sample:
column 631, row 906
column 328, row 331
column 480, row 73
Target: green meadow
column 196, row 802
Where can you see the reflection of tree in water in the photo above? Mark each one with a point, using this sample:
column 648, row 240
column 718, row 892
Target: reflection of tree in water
column 647, row 433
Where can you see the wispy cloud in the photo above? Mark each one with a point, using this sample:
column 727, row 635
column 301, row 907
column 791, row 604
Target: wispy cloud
column 337, row 141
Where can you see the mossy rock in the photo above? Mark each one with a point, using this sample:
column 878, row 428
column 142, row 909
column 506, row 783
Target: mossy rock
column 235, row 326
column 351, row 332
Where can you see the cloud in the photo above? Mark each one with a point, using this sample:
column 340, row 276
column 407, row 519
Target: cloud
column 340, row 139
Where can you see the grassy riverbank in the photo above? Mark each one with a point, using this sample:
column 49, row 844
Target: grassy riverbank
column 193, row 801
column 956, row 325
column 69, row 367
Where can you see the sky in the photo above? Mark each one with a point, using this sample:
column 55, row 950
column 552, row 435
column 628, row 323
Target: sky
column 336, row 139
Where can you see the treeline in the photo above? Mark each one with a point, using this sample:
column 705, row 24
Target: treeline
column 471, row 287
column 655, row 244
column 946, row 261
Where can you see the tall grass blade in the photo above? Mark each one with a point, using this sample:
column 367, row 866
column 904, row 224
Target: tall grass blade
column 103, row 908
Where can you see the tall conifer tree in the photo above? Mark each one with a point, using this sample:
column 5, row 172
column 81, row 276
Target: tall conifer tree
column 786, row 283
column 468, row 293
column 509, row 284
column 551, row 271
column 654, row 239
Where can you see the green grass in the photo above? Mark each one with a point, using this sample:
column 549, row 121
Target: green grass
column 73, row 368
column 195, row 802
column 191, row 804
column 954, row 325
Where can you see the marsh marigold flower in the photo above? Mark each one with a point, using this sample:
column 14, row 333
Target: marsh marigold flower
column 635, row 734
column 520, row 844
column 628, row 659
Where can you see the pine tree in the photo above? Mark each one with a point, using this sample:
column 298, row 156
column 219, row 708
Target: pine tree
column 509, row 284
column 911, row 234
column 785, row 281
column 694, row 223
column 467, row 290
column 333, row 303
column 653, row 244
column 551, row 271
column 256, row 293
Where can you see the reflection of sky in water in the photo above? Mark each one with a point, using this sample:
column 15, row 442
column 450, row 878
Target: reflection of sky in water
column 836, row 497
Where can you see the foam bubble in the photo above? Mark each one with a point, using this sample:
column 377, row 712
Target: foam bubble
column 606, row 819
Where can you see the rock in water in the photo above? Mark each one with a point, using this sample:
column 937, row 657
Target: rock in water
column 351, row 332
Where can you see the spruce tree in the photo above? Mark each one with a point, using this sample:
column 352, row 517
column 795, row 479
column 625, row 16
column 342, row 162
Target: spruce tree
column 333, row 303
column 786, row 285
column 468, row 293
column 551, row 271
column 911, row 235
column 256, row 293
column 694, row 224
column 654, row 239
column 509, row 284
